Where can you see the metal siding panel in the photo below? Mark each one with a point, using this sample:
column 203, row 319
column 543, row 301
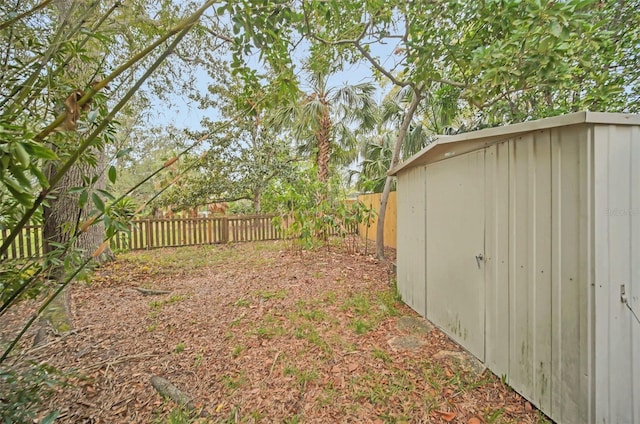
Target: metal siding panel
column 634, row 290
column 601, row 262
column 570, row 282
column 530, row 268
column 411, row 238
column 540, row 269
column 497, row 258
column 520, row 376
column 455, row 228
column 617, row 331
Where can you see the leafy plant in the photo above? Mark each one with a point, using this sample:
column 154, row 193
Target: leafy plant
column 22, row 391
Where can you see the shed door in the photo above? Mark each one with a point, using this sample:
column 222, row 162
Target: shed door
column 455, row 248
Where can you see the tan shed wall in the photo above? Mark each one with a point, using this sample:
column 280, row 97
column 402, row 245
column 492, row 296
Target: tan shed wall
column 617, row 263
column 538, row 283
column 561, row 209
column 555, row 224
column 411, row 252
column 390, row 221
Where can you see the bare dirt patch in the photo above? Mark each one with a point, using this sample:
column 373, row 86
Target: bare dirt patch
column 254, row 333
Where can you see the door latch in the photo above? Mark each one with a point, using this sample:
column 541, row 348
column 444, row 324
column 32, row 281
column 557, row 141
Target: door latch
column 479, row 258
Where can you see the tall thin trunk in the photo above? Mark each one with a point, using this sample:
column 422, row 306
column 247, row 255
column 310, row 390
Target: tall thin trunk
column 417, row 97
column 324, row 146
column 257, row 201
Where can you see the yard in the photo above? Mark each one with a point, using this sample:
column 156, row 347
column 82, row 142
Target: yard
column 256, row 333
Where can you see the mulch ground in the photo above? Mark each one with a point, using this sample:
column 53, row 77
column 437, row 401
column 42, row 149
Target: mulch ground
column 258, row 333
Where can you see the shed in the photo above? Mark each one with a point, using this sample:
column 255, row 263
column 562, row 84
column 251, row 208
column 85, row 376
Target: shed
column 522, row 243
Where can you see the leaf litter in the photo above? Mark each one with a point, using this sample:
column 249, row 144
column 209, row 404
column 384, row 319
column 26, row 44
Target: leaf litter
column 256, row 333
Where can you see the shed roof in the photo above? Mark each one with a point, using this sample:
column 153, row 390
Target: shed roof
column 446, row 146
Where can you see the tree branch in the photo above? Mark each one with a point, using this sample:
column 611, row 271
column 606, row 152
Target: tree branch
column 24, row 14
column 219, row 35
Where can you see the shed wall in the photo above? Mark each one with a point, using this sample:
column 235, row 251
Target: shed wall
column 562, row 238
column 537, row 268
column 411, row 210
column 572, row 275
column 617, row 263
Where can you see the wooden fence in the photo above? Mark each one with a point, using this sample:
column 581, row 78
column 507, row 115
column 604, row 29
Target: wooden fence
column 174, row 232
column 27, row 244
column 373, row 200
column 155, row 233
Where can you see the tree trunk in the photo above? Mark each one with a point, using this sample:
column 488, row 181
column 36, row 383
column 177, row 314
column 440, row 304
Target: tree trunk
column 61, row 220
column 257, row 201
column 324, row 147
column 417, row 97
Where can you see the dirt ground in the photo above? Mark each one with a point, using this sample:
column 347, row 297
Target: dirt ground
column 257, row 333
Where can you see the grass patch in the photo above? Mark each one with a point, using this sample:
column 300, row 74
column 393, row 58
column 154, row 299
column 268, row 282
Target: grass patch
column 370, row 309
column 382, row 355
column 271, row 294
column 358, row 303
column 159, row 304
column 303, row 377
column 307, row 332
column 268, row 328
column 242, row 303
column 361, row 326
column 237, row 350
column 170, row 261
column 232, row 383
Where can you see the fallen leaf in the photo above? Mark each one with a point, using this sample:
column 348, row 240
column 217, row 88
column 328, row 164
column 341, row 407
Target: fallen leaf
column 474, row 420
column 353, row 367
column 528, row 407
column 447, row 416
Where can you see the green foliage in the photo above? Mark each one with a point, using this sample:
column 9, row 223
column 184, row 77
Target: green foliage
column 309, row 212
column 68, row 69
column 325, row 121
column 238, row 161
column 23, row 390
column 19, row 279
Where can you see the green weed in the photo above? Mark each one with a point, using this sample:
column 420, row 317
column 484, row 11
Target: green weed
column 159, row 304
column 382, row 355
column 242, row 303
column 272, row 294
column 361, row 326
column 238, row 350
column 303, row 377
column 234, row 383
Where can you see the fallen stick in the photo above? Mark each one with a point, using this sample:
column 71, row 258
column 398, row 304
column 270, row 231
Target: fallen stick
column 150, row 292
column 168, row 390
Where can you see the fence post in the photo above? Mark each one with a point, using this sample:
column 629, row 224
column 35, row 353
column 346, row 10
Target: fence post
column 224, row 229
column 148, row 229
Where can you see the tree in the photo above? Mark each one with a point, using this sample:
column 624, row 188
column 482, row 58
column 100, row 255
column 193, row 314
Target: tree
column 243, row 156
column 510, row 60
column 46, row 127
column 321, row 120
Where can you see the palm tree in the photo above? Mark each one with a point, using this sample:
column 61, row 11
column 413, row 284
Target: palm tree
column 323, row 121
column 377, row 146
